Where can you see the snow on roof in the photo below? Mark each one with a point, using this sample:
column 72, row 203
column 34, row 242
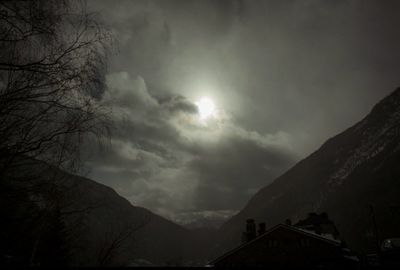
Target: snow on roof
column 327, row 236
column 352, row 257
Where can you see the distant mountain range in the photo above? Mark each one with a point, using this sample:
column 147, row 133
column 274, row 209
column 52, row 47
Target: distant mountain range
column 354, row 177
column 206, row 223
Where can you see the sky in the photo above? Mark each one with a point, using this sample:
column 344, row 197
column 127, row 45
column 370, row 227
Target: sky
column 212, row 100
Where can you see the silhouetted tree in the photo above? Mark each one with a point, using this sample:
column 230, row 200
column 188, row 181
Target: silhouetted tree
column 118, row 240
column 53, row 248
column 52, row 62
column 52, row 59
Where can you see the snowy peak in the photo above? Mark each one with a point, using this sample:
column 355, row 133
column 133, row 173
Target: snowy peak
column 378, row 131
column 390, row 105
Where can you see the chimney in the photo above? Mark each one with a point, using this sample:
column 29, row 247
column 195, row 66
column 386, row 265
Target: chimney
column 250, row 229
column 288, row 222
column 261, row 228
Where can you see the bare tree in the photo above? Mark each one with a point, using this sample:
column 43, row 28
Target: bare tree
column 52, row 59
column 118, row 240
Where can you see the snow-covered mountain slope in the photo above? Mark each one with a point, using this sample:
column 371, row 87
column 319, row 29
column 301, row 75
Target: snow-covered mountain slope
column 348, row 174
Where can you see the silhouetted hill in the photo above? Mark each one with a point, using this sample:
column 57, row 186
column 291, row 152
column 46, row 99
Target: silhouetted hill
column 349, row 173
column 51, row 217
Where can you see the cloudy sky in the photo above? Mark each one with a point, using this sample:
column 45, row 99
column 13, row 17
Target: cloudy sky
column 212, row 100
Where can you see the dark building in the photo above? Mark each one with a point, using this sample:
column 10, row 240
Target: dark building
column 285, row 246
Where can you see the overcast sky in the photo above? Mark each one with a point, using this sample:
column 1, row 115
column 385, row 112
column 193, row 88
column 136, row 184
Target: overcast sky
column 283, row 77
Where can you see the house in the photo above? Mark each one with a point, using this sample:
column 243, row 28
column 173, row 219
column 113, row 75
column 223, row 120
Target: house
column 285, row 245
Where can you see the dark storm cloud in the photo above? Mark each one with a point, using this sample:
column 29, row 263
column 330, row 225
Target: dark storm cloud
column 317, row 66
column 288, row 75
column 177, row 103
column 164, row 158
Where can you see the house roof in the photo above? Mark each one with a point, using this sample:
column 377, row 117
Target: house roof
column 292, row 228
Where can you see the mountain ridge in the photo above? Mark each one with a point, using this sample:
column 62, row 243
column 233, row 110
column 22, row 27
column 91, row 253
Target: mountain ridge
column 98, row 226
column 339, row 178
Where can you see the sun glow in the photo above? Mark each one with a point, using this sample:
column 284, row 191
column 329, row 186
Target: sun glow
column 206, row 108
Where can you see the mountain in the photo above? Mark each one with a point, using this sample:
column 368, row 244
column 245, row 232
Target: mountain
column 50, row 217
column 354, row 177
column 212, row 223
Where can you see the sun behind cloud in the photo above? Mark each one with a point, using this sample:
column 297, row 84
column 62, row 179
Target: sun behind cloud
column 206, row 107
